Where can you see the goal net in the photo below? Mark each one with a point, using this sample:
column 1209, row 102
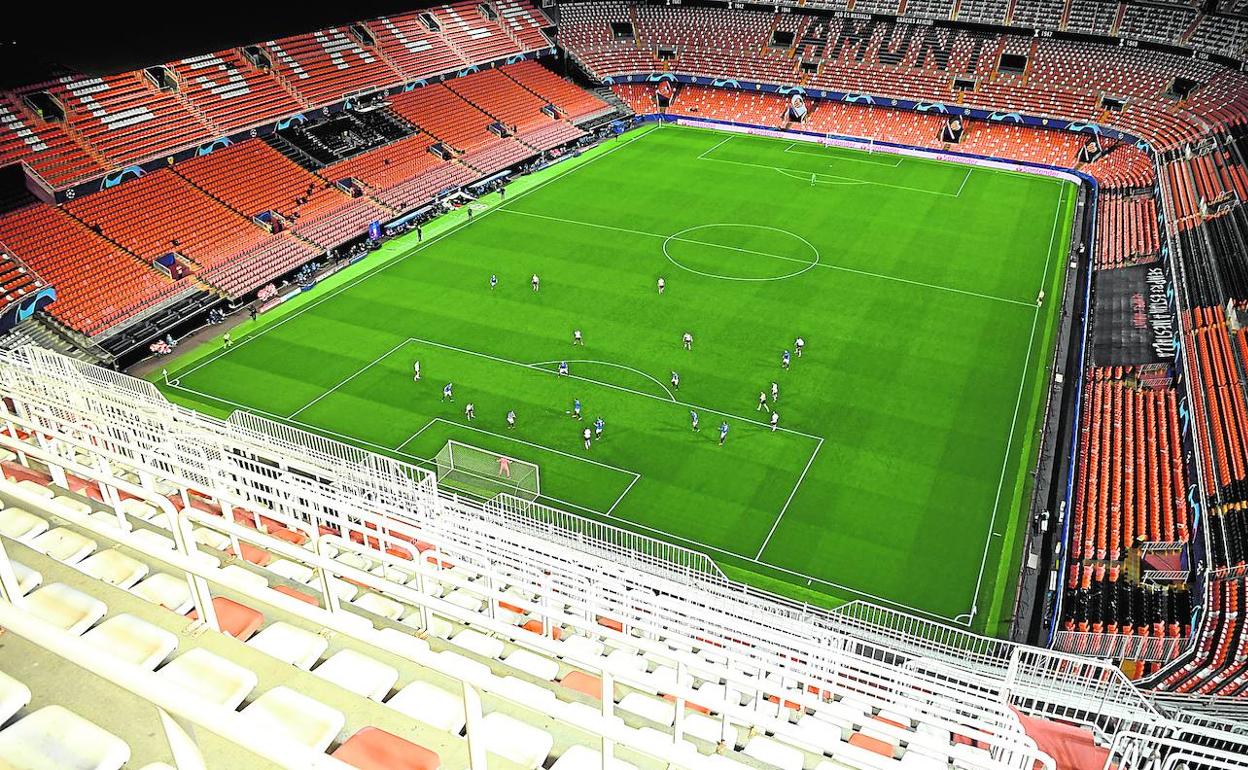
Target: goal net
column 483, row 473
column 865, row 143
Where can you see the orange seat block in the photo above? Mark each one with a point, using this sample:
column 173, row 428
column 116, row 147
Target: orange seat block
column 876, row 745
column 582, row 682
column 252, row 554
column 237, row 620
column 535, row 626
column 374, row 749
column 610, row 623
column 689, row 705
column 289, row 535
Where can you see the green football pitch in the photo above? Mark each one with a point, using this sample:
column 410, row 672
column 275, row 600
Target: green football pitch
column 899, row 472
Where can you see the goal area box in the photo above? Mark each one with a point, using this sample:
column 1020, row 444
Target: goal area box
column 484, row 473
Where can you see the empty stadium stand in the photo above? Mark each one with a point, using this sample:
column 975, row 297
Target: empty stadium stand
column 384, row 628
column 381, row 631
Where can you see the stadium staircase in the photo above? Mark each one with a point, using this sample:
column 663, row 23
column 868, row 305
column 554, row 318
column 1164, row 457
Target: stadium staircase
column 46, row 332
column 292, row 151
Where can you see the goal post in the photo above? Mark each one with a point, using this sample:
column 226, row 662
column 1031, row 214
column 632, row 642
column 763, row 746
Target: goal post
column 485, row 473
column 864, row 143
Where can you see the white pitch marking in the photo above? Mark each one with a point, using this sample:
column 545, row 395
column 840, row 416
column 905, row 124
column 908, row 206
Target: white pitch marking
column 827, row 265
column 357, row 373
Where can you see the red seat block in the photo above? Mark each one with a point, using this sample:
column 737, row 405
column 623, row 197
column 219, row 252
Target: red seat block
column 374, row 749
column 582, row 682
column 252, row 554
column 295, row 594
column 237, row 620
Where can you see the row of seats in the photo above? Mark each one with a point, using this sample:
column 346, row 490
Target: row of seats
column 574, row 102
column 1062, row 78
column 470, row 639
column 230, row 93
column 1114, row 607
column 203, row 208
column 16, row 279
column 124, row 117
column 1126, row 231
column 1228, row 533
column 135, row 611
column 1221, row 415
column 98, row 283
column 469, row 32
column 916, row 129
column 1219, row 663
column 1130, row 484
column 1123, row 167
column 1215, row 261
column 117, row 120
column 51, row 153
column 161, row 212
column 503, row 98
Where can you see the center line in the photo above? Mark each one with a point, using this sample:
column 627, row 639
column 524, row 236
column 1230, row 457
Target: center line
column 826, row 265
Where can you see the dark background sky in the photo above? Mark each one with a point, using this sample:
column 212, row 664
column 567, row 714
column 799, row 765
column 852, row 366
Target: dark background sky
column 40, row 39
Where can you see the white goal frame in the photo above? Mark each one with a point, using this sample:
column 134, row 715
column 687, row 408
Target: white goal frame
column 482, row 474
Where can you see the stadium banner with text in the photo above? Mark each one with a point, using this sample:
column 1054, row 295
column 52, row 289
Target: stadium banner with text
column 970, row 159
column 136, row 170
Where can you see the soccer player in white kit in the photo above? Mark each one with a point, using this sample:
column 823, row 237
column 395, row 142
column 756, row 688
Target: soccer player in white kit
column 798, row 344
column 762, row 401
column 775, row 392
column 416, row 372
column 775, row 419
column 470, row 412
column 688, row 341
column 662, row 285
column 577, row 339
column 535, row 282
column 587, row 437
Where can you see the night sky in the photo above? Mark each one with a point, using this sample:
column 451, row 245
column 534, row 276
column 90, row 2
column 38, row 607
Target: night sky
column 41, row 39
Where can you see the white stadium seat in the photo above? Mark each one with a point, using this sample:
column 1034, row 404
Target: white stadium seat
column 66, row 608
column 211, row 677
column 133, row 640
column 55, row 738
column 358, row 673
column 293, row 715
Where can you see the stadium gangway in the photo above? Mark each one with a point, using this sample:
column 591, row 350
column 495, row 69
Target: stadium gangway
column 125, row 422
column 1017, row 751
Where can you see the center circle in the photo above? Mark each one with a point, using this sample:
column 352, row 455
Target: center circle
column 790, row 253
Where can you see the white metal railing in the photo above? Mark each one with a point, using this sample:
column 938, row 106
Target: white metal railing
column 641, row 551
column 74, row 411
column 1121, row 646
column 922, row 697
column 1084, row 691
